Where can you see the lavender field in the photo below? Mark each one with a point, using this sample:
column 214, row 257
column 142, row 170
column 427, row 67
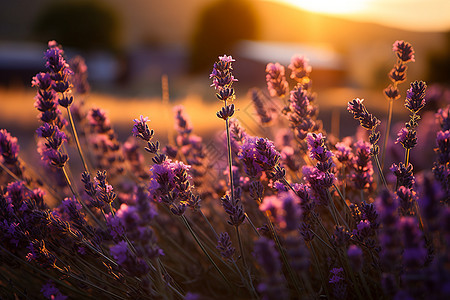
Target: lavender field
column 294, row 213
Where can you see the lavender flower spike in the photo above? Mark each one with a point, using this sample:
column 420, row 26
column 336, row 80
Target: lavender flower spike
column 404, row 51
column 276, row 80
column 359, row 112
column 415, row 96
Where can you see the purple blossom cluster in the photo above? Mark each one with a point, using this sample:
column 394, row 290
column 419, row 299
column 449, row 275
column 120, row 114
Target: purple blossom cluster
column 276, row 80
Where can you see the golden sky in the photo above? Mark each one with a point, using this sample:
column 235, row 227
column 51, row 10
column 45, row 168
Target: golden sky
column 421, row 15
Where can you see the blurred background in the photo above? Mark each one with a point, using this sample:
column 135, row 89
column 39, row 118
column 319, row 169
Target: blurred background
column 129, row 46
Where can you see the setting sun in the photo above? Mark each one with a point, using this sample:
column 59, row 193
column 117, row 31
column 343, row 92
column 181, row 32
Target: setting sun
column 330, row 6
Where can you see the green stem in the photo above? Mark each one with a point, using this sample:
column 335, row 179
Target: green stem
column 316, row 260
column 251, row 224
column 186, row 223
column 244, row 281
column 230, row 162
column 45, row 274
column 240, row 247
column 209, row 224
column 366, row 287
column 77, row 141
column 388, row 129
column 283, row 255
column 380, row 171
column 407, row 151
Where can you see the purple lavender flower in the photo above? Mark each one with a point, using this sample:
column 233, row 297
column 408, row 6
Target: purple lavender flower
column 398, row 73
column 359, row 112
column 391, row 92
column 141, row 130
column 443, row 116
column 404, row 51
column 319, row 182
column 404, row 174
column 407, row 138
column 443, row 143
column 389, row 235
column 284, row 208
column 301, row 113
column 300, row 69
column 430, row 195
column 50, row 291
column 224, row 246
column 233, row 208
column 343, row 152
column 355, row 257
column 273, row 284
column 132, row 264
column 258, row 155
column 297, row 253
column 362, row 168
column 106, row 146
column 405, row 198
column 169, row 184
column 100, row 192
column 264, row 116
column 414, row 251
column 319, row 151
column 79, row 76
column 337, row 281
column 276, row 80
column 9, row 148
column 415, row 96
column 223, row 78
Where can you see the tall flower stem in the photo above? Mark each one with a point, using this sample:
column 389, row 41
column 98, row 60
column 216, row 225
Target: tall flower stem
column 283, row 254
column 380, row 170
column 186, row 223
column 407, row 151
column 240, row 247
column 316, row 260
column 77, row 141
column 209, row 224
column 388, row 129
column 230, row 162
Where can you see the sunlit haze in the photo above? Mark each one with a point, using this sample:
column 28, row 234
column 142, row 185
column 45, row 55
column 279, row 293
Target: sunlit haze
column 330, row 6
column 421, row 15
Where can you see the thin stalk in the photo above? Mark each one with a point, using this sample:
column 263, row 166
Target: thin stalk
column 251, row 224
column 407, row 151
column 388, row 129
column 366, row 287
column 209, row 224
column 283, row 255
column 352, row 276
column 321, row 225
column 230, row 162
column 186, row 223
column 361, row 191
column 380, row 171
column 174, row 288
column 45, row 274
column 316, row 260
column 240, row 247
column 322, row 241
column 249, row 286
column 330, row 209
column 77, row 141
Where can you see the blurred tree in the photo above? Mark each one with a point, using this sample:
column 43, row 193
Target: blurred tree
column 439, row 64
column 82, row 24
column 220, row 25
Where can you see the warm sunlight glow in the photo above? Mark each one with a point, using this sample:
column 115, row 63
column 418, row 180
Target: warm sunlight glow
column 330, row 6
